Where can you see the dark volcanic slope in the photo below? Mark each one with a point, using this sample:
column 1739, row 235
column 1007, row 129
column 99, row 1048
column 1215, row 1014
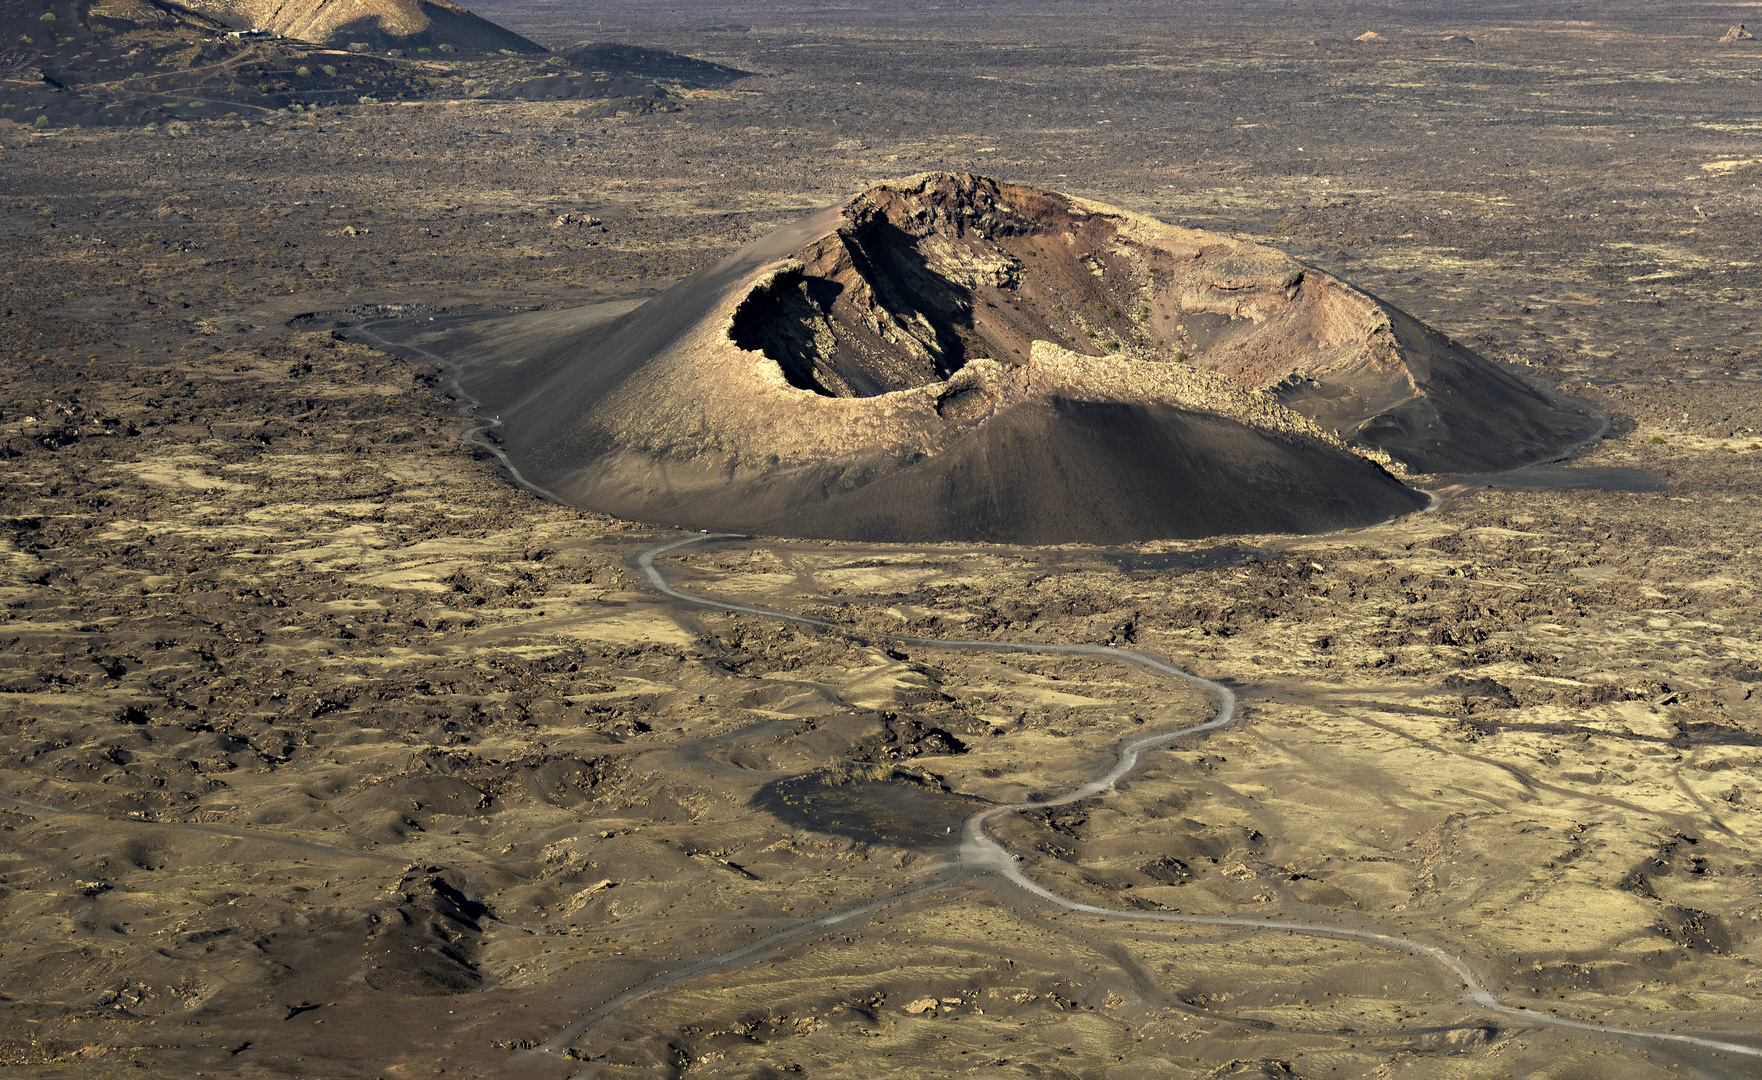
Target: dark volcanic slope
column 1052, row 471
column 949, row 358
column 611, row 58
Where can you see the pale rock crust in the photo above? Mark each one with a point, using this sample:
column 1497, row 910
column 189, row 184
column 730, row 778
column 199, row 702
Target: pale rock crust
column 1059, row 372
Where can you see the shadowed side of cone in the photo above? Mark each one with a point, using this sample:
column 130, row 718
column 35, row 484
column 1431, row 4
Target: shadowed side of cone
column 1064, row 471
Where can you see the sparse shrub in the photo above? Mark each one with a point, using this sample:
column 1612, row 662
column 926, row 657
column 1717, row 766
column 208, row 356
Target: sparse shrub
column 840, row 772
column 42, row 121
column 1656, row 440
column 47, row 16
column 446, row 48
column 329, row 69
column 303, row 71
column 557, row 61
column 509, row 52
column 424, row 50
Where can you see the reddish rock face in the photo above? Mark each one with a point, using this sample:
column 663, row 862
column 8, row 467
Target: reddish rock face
column 920, row 278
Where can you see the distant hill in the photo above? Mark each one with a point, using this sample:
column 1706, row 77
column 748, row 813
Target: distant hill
column 619, row 79
column 140, row 62
column 638, row 62
column 381, row 25
column 137, row 62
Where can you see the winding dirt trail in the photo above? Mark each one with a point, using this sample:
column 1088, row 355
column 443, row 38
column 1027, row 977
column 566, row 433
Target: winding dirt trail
column 981, row 853
column 468, row 407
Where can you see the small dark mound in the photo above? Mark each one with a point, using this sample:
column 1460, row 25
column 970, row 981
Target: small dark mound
column 871, row 805
column 638, row 62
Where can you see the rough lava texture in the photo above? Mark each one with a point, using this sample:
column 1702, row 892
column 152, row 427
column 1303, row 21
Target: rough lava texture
column 951, row 357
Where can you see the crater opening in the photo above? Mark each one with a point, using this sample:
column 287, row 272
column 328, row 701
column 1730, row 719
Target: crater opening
column 918, row 281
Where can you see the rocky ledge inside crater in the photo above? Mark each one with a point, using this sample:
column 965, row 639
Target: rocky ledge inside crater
column 950, row 357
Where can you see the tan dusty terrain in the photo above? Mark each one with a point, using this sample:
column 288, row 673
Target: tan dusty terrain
column 386, row 740
column 333, row 754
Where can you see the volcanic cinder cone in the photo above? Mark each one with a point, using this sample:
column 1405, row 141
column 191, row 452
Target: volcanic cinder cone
column 952, row 358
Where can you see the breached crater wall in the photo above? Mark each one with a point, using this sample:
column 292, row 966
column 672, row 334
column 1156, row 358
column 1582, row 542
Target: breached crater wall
column 949, row 357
